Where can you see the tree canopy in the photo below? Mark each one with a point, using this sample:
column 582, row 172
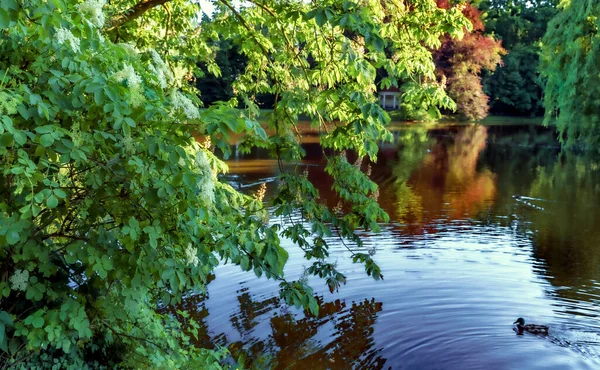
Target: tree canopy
column 515, row 88
column 461, row 62
column 111, row 209
column 570, row 61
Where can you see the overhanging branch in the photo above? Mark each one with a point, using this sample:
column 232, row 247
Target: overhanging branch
column 135, row 12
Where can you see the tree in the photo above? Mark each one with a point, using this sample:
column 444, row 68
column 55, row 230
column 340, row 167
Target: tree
column 219, row 87
column 570, row 63
column 110, row 209
column 460, row 63
column 515, row 88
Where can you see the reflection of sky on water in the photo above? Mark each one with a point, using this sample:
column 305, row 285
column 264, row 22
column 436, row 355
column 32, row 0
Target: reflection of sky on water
column 488, row 224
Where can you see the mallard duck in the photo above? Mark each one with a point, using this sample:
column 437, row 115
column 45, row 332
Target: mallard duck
column 530, row 328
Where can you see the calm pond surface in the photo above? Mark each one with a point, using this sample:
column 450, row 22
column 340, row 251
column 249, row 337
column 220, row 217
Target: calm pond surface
column 488, row 224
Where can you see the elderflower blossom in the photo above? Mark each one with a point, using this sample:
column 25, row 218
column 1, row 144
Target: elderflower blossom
column 18, row 281
column 182, row 102
column 128, row 143
column 206, row 182
column 161, row 70
column 207, row 144
column 159, row 76
column 260, row 193
column 8, row 103
column 63, row 35
column 94, row 12
column 136, row 98
column 129, row 75
column 191, row 255
column 134, row 82
column 76, row 136
column 129, row 49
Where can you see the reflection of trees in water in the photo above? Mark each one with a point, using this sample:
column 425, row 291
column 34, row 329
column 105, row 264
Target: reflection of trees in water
column 292, row 344
column 567, row 229
column 245, row 320
column 553, row 197
column 440, row 178
column 195, row 308
column 467, row 189
column 414, row 145
column 515, row 152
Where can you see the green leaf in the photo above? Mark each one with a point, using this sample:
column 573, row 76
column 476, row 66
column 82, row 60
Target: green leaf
column 133, row 223
column 44, row 129
column 3, row 338
column 129, row 121
column 38, row 322
column 60, row 193
column 9, row 4
column 6, row 318
column 52, row 201
column 46, row 140
column 20, row 137
column 313, row 306
column 12, row 237
column 320, row 18
column 66, row 345
column 5, row 19
column 245, row 263
column 6, row 140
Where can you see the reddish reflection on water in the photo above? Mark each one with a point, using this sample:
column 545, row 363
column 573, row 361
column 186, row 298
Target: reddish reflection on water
column 445, row 183
column 487, row 224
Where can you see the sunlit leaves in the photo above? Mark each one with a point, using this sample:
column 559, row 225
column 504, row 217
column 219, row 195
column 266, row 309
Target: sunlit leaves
column 570, row 64
column 299, row 294
column 110, row 201
column 460, row 62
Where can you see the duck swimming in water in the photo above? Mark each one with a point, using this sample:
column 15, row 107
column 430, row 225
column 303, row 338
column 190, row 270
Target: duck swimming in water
column 530, row 328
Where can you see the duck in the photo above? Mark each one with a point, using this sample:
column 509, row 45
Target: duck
column 530, row 328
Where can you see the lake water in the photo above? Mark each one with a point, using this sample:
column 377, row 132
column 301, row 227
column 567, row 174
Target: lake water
column 488, row 224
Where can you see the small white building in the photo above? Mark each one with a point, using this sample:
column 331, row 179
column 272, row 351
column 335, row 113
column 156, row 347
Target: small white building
column 389, row 98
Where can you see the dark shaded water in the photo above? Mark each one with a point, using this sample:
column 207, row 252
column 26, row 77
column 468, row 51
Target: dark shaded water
column 488, row 224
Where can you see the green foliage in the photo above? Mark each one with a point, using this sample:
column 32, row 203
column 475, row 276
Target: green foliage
column 515, row 88
column 218, row 84
column 570, row 64
column 422, row 104
column 109, row 207
column 423, row 98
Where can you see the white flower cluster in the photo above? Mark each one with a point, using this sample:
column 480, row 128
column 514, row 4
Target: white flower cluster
column 134, row 82
column 63, row 35
column 161, row 70
column 76, row 136
column 129, row 74
column 129, row 49
column 18, row 281
column 191, row 254
column 93, row 10
column 206, row 183
column 128, row 143
column 181, row 101
column 8, row 103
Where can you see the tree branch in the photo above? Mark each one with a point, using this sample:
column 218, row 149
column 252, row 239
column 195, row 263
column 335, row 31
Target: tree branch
column 135, row 12
column 165, row 349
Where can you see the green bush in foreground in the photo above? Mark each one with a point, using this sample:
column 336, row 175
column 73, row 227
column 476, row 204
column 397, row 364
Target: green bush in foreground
column 110, row 209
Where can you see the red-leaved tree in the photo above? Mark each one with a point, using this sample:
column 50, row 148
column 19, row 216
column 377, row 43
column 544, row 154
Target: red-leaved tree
column 460, row 62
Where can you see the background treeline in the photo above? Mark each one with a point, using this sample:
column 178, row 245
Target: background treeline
column 494, row 69
column 516, row 88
